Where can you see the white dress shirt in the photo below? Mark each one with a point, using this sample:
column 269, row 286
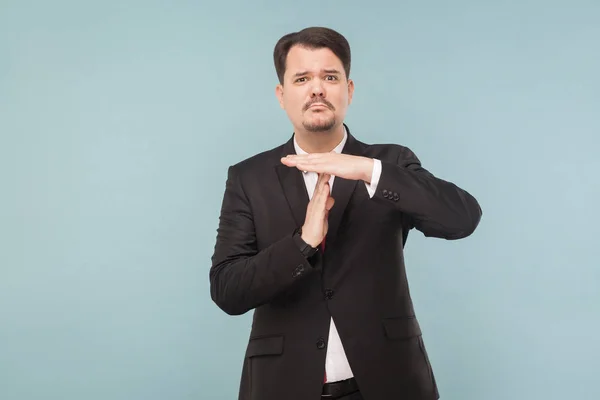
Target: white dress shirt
column 336, row 363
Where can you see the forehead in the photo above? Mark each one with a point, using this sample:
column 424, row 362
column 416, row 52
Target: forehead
column 301, row 59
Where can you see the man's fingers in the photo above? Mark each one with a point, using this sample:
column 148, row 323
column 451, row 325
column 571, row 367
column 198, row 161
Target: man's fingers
column 321, row 194
column 319, row 181
column 324, row 201
column 324, row 189
column 323, row 179
column 314, row 162
column 318, row 192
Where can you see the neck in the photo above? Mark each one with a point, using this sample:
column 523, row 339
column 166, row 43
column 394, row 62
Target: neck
column 319, row 142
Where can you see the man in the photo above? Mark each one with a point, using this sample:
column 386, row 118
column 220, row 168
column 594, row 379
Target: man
column 311, row 238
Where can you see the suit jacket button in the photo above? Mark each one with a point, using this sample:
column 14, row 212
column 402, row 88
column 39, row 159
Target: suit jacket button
column 385, row 193
column 328, row 294
column 298, row 271
column 320, row 344
column 396, row 197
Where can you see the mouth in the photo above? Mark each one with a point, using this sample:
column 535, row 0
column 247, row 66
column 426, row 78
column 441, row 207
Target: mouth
column 318, row 105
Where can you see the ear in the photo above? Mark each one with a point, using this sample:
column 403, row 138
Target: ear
column 279, row 94
column 350, row 90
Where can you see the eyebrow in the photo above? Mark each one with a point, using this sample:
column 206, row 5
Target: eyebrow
column 327, row 71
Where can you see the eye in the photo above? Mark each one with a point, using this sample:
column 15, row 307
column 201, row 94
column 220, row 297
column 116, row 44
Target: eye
column 300, row 79
column 333, row 77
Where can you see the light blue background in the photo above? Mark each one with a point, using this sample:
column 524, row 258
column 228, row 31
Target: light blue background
column 118, row 122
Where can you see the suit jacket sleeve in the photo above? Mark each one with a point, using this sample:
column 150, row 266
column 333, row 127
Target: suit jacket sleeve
column 241, row 277
column 435, row 207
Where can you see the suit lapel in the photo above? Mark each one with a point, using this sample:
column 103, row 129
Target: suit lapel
column 342, row 192
column 293, row 186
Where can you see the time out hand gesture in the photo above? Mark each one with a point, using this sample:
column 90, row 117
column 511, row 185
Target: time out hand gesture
column 315, row 224
column 343, row 165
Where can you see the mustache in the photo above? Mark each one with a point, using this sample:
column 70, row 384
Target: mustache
column 320, row 101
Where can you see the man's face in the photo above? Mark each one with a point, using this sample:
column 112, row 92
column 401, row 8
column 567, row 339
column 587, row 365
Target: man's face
column 316, row 92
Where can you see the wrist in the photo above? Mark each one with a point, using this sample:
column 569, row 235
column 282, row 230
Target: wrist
column 368, row 170
column 311, row 242
column 306, row 248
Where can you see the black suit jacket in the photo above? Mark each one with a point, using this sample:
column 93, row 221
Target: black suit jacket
column 360, row 280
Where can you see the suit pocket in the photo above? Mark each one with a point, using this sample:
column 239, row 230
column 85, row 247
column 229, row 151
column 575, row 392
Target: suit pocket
column 265, row 346
column 401, row 327
column 261, row 366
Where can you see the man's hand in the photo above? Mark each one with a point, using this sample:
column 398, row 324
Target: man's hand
column 343, row 165
column 315, row 224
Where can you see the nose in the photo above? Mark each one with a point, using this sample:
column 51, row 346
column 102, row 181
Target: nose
column 317, row 89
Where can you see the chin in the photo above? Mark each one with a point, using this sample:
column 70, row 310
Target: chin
column 319, row 125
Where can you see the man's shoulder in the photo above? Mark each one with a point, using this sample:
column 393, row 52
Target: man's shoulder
column 387, row 151
column 264, row 159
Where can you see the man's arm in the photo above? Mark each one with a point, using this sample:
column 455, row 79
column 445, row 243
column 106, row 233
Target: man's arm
column 241, row 277
column 437, row 208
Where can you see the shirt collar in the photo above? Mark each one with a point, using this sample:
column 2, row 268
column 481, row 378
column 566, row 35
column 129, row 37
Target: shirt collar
column 337, row 149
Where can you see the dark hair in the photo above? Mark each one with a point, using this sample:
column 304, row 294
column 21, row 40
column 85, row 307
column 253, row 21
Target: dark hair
column 312, row 38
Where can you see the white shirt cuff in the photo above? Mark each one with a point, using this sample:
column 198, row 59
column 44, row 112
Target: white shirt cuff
column 372, row 187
